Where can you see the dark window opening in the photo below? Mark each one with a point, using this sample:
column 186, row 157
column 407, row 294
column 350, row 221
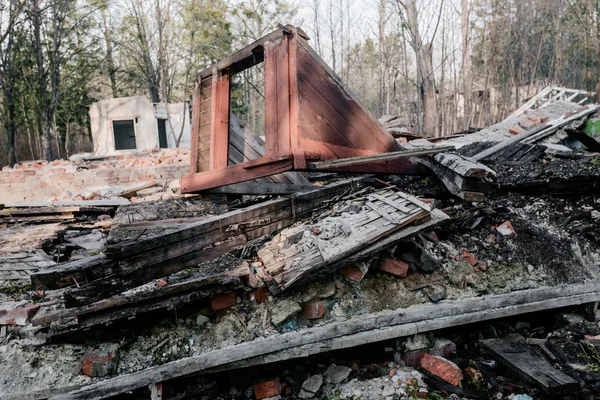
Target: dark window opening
column 124, row 132
column 162, row 133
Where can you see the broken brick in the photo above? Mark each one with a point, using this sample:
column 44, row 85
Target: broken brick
column 541, row 115
column 468, row 257
column 515, row 130
column 264, row 390
column 441, row 348
column 395, row 267
column 313, row 310
column 353, row 273
column 506, row 229
column 526, row 123
column 260, row 294
column 100, row 362
column 442, row 368
column 222, row 301
column 161, row 283
column 17, row 313
column 534, row 118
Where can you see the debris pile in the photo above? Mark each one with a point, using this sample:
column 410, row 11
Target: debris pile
column 323, row 283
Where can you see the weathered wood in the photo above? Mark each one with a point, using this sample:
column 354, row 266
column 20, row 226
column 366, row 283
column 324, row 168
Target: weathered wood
column 55, row 210
column 388, row 325
column 298, row 260
column 463, row 166
column 259, row 188
column 73, row 273
column 526, row 363
column 470, row 189
column 538, row 132
column 342, row 162
column 250, row 55
column 59, row 203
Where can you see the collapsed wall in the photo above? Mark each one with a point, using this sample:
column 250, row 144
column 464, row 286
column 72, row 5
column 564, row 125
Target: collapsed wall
column 90, row 178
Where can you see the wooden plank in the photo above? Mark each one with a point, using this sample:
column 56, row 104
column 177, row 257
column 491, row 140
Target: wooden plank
column 271, row 76
column 283, row 98
column 259, row 188
column 521, row 359
column 59, row 203
column 233, row 174
column 325, row 165
column 219, row 139
column 388, row 325
column 294, row 107
column 538, row 132
column 55, row 210
column 73, row 272
column 244, row 58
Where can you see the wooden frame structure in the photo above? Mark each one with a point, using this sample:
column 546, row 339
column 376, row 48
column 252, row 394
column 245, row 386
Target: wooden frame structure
column 310, row 117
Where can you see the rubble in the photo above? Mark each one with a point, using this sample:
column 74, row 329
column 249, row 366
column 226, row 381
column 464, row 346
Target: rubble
column 326, row 286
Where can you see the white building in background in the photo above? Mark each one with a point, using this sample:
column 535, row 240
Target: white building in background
column 135, row 123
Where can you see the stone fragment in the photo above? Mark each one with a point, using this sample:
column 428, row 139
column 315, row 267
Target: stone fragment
column 17, row 312
column 444, row 369
column 311, row 386
column 563, row 320
column 264, row 390
column 100, row 362
column 313, row 310
column 336, row 374
column 283, row 310
column 202, row 320
column 395, row 267
column 506, row 229
column 222, row 301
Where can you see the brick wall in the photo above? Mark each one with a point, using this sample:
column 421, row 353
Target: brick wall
column 89, row 179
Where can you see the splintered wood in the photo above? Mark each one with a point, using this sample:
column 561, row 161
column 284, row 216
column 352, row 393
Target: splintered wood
column 303, row 251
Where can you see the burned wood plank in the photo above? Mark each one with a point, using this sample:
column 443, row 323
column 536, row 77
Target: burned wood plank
column 532, row 367
column 349, row 333
column 74, row 272
column 588, row 141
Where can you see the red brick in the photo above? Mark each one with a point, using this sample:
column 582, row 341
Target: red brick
column 468, row 257
column 15, row 173
column 18, row 179
column 534, row 118
column 506, row 226
column 442, row 368
column 353, row 273
column 515, row 130
column 264, row 390
column 223, row 301
column 100, row 362
column 395, row 267
column 17, row 313
column 526, row 123
column 541, row 115
column 313, row 310
column 29, row 172
column 4, row 174
column 260, row 294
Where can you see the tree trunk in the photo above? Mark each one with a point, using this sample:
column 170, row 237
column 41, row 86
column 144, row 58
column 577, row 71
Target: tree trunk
column 466, row 64
column 8, row 76
column 47, row 151
column 425, row 77
column 110, row 63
